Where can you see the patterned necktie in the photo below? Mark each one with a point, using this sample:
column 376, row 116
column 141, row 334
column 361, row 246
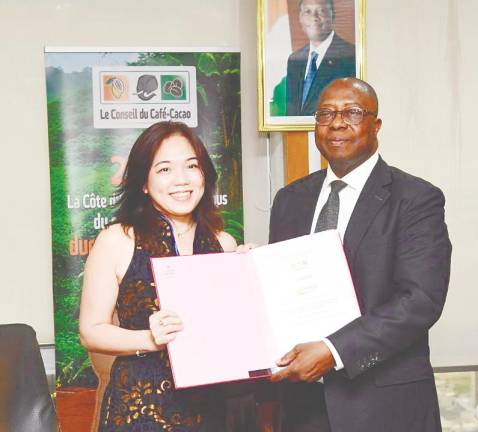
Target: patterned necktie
column 329, row 215
column 309, row 78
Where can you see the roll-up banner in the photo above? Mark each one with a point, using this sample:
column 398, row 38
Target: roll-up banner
column 99, row 101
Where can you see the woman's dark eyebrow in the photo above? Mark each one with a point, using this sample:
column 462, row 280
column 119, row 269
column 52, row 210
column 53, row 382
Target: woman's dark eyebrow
column 161, row 162
column 166, row 161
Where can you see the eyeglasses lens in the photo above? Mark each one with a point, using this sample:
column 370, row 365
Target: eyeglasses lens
column 351, row 116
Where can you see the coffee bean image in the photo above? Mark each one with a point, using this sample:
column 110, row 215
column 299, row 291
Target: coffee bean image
column 176, row 91
column 167, row 87
column 174, row 88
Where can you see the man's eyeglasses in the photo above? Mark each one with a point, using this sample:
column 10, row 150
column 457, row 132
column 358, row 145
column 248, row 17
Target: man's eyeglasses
column 351, row 116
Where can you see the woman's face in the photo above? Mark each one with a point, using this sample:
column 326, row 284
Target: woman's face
column 175, row 182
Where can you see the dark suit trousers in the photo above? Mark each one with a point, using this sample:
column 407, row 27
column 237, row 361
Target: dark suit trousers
column 304, row 408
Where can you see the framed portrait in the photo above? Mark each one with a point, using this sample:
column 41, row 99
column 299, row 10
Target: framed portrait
column 302, row 46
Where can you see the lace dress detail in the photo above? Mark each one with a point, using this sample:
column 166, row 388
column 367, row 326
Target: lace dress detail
column 140, row 396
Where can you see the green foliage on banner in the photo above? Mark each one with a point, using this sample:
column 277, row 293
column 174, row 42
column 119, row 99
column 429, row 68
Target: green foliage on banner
column 72, row 361
column 234, row 225
column 84, row 162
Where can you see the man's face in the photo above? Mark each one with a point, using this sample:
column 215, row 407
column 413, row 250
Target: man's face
column 347, row 146
column 316, row 19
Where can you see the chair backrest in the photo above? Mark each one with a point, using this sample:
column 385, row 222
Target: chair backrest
column 25, row 401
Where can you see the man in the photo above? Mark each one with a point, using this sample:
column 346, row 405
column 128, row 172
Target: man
column 376, row 370
column 323, row 59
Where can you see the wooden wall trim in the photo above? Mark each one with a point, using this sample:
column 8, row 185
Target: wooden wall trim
column 296, row 156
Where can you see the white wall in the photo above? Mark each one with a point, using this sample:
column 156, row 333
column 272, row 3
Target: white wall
column 421, row 59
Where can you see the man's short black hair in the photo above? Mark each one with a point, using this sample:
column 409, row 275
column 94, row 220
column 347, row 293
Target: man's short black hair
column 330, row 3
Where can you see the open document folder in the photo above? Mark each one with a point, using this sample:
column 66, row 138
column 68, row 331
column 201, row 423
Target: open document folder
column 241, row 312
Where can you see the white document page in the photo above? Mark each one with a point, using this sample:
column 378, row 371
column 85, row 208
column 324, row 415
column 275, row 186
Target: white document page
column 307, row 288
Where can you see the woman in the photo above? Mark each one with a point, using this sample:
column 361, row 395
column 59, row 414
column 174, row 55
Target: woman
column 166, row 208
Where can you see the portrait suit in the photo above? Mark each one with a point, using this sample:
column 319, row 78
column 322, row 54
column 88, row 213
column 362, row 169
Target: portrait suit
column 398, row 251
column 338, row 62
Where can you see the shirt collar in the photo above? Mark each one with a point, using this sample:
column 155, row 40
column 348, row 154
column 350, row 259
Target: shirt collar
column 323, row 47
column 357, row 177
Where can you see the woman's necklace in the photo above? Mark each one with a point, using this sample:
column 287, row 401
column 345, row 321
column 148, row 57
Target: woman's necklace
column 189, row 228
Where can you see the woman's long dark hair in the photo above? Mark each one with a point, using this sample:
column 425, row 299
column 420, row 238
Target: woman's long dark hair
column 134, row 206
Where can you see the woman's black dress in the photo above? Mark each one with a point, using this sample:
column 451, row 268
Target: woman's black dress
column 140, row 395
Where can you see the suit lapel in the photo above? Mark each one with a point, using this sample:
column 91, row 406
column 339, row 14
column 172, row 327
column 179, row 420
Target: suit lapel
column 373, row 197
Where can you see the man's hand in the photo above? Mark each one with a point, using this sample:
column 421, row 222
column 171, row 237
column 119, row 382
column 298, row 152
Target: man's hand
column 306, row 362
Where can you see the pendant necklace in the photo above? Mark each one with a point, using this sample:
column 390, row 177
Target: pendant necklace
column 189, row 228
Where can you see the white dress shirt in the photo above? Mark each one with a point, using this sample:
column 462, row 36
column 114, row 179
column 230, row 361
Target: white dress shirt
column 349, row 195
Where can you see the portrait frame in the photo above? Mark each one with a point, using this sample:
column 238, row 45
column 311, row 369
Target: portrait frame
column 279, row 34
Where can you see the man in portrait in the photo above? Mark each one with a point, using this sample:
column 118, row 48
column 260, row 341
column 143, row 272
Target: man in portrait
column 324, row 58
column 373, row 374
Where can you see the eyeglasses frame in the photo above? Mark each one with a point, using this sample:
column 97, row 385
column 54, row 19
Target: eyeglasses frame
column 335, row 112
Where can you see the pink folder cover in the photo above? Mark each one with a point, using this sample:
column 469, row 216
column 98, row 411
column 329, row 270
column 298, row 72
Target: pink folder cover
column 225, row 336
column 243, row 311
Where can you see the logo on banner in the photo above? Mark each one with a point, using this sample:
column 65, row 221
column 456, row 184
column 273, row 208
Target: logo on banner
column 172, row 87
column 146, row 87
column 138, row 96
column 115, row 87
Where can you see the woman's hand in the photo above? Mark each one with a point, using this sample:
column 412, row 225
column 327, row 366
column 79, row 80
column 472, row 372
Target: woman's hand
column 245, row 247
column 164, row 326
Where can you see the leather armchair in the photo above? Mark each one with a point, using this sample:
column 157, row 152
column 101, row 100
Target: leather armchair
column 25, row 401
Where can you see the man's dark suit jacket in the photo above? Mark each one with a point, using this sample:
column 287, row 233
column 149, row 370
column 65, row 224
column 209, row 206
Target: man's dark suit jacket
column 338, row 62
column 398, row 252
